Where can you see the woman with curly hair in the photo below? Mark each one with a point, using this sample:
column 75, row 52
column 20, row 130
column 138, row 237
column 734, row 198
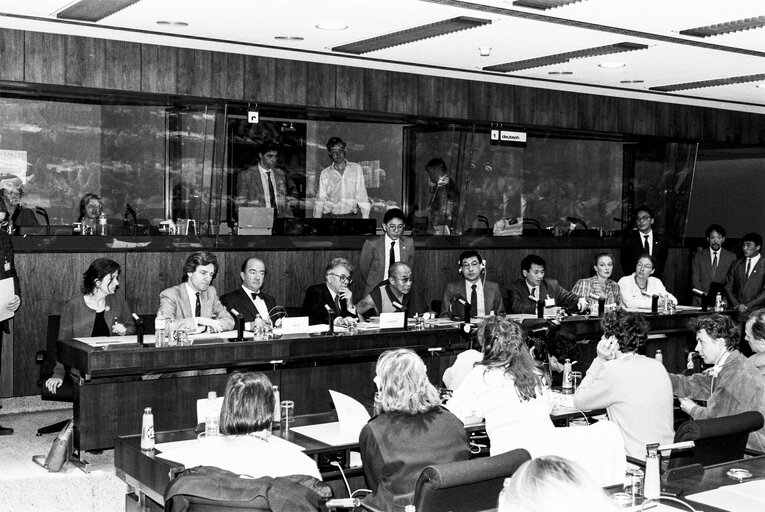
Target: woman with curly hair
column 410, row 432
column 506, row 389
column 635, row 389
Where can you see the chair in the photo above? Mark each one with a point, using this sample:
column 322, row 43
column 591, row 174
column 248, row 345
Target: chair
column 466, row 485
column 47, row 361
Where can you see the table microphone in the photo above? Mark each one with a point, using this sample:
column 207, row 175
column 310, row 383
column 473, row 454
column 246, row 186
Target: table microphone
column 138, row 329
column 239, row 325
column 401, row 307
column 465, row 304
column 331, row 323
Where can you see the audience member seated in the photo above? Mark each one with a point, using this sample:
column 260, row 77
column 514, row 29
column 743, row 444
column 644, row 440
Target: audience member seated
column 194, row 302
column 332, row 295
column 733, row 385
column 637, row 289
column 634, row 388
column 552, row 483
column 12, row 191
column 466, row 360
column 600, row 285
column 484, row 297
column 710, row 265
column 507, row 390
column 246, row 446
column 526, row 293
column 410, row 432
column 396, row 294
column 249, row 299
column 91, row 206
column 755, row 335
column 97, row 312
column 378, row 254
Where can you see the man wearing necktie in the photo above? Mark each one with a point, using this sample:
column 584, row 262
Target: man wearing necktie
column 483, row 296
column 333, row 295
column 195, row 302
column 378, row 254
column 249, row 299
column 264, row 184
column 644, row 240
column 745, row 283
column 710, row 266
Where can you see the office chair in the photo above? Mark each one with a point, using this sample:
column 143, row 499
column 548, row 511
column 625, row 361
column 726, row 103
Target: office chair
column 47, row 361
column 470, row 485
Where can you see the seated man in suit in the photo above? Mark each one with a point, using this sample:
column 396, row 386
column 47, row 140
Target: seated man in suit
column 393, row 295
column 378, row 254
column 483, row 296
column 710, row 266
column 195, row 301
column 249, row 300
column 332, row 295
column 526, row 293
column 745, row 283
column 644, row 240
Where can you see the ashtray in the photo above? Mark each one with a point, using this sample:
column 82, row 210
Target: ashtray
column 739, row 474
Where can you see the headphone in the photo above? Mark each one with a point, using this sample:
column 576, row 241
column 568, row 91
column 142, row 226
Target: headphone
column 483, row 263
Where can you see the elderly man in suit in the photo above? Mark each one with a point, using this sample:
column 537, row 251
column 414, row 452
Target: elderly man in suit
column 194, row 302
column 526, row 293
column 710, row 266
column 484, row 297
column 644, row 241
column 264, row 184
column 379, row 254
column 249, row 299
column 745, row 284
column 333, row 295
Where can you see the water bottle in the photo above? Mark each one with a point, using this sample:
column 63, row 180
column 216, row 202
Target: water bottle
column 277, row 405
column 652, row 485
column 258, row 326
column 212, row 415
column 659, row 357
column 102, row 224
column 566, row 374
column 147, row 430
column 718, row 303
column 159, row 332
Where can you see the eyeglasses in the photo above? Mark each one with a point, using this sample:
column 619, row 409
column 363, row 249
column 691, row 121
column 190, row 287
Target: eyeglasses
column 395, row 227
column 343, row 279
column 336, row 151
column 408, row 279
column 471, row 264
column 644, row 217
column 646, row 266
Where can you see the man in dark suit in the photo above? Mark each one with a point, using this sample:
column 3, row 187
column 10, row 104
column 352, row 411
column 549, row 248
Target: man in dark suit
column 644, row 240
column 377, row 255
column 745, row 284
column 333, row 294
column 483, row 296
column 7, row 270
column 264, row 184
column 710, row 266
column 526, row 293
column 249, row 299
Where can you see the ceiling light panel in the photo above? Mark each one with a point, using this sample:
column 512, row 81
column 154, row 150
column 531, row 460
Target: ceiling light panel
column 726, row 28
column 561, row 58
column 93, row 10
column 543, row 4
column 733, row 80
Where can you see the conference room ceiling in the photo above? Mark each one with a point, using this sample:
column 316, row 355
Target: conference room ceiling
column 661, row 46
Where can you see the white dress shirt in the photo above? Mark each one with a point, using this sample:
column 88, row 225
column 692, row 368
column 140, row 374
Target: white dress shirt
column 752, row 262
column 259, row 303
column 396, row 253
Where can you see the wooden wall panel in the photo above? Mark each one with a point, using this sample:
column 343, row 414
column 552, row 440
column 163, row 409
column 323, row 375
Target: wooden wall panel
column 321, row 85
column 386, row 91
column 479, row 101
column 502, row 103
column 349, row 94
column 11, row 55
column 227, row 76
column 260, row 81
column 122, row 65
column 159, row 69
column 290, row 82
column 194, row 72
column 637, row 117
column 44, row 58
column 85, row 65
column 598, row 113
column 442, row 97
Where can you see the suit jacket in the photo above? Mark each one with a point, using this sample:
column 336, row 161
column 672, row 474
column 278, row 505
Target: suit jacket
column 372, row 265
column 521, row 303
column 174, row 303
column 492, row 297
column 7, row 269
column 632, row 249
column 250, row 192
column 239, row 300
column 316, row 297
column 701, row 270
column 749, row 291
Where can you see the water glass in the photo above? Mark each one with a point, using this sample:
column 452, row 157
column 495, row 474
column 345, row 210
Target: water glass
column 633, row 483
column 181, row 338
column 419, row 322
column 288, row 412
column 575, row 377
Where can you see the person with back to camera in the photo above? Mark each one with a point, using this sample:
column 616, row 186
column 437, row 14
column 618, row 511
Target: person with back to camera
column 409, row 432
column 526, row 293
column 634, row 388
column 637, row 289
column 91, row 207
column 755, row 335
column 600, row 285
column 97, row 312
column 710, row 266
column 483, row 296
column 378, row 254
column 506, row 389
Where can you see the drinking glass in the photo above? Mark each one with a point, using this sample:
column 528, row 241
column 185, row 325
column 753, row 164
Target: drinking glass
column 575, row 377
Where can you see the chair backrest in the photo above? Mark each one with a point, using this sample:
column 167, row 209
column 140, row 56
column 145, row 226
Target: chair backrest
column 65, row 393
column 716, row 440
column 470, row 485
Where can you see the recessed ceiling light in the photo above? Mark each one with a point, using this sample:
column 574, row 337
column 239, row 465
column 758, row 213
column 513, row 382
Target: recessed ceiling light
column 761, row 86
column 611, row 65
column 484, row 51
column 560, row 72
column 170, row 23
column 331, row 26
column 288, row 38
column 631, row 81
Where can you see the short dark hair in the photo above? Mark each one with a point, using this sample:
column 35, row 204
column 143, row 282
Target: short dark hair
column 248, row 404
column 645, row 208
column 334, row 141
column 436, row 162
column 714, row 227
column 199, row 259
column 268, row 146
column 717, row 326
column 86, row 199
column 394, row 213
column 650, row 258
column 758, row 324
column 470, row 253
column 532, row 259
column 97, row 270
column 756, row 238
column 247, row 260
column 629, row 329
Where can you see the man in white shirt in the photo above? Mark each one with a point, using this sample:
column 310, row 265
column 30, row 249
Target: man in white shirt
column 745, row 283
column 484, row 297
column 342, row 192
column 249, row 299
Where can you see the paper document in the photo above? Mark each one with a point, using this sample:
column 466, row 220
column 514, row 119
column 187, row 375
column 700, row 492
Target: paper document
column 6, row 294
column 351, row 415
column 194, row 452
column 746, row 497
column 101, row 341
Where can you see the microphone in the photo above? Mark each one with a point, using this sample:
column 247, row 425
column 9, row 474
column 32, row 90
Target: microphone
column 331, row 323
column 459, row 298
column 130, row 211
column 239, row 325
column 465, row 305
column 575, row 220
column 138, row 328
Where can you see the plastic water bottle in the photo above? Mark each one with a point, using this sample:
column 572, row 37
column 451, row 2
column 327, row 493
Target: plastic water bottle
column 652, row 485
column 277, row 405
column 147, row 430
column 258, row 327
column 212, row 415
column 102, row 224
column 159, row 332
column 566, row 374
column 718, row 303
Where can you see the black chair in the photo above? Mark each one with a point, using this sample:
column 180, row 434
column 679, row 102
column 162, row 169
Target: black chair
column 47, row 361
column 467, row 486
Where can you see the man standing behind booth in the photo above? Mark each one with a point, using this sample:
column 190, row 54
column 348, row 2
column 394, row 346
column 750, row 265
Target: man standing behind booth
column 526, row 293
column 333, row 294
column 710, row 266
column 264, row 185
column 394, row 295
column 644, row 240
column 745, row 284
column 8, row 270
column 378, row 254
column 445, row 198
column 195, row 301
column 249, row 299
column 484, row 297
column 342, row 192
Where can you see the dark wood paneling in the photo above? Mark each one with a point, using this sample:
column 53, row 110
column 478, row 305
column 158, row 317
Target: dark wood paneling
column 227, row 75
column 122, row 65
column 11, row 55
column 159, row 69
column 350, row 88
column 194, row 72
column 292, row 82
column 260, row 81
column 85, row 63
column 386, row 91
column 321, row 85
column 598, row 113
column 442, row 97
column 502, row 103
column 637, row 117
column 550, row 108
column 44, row 57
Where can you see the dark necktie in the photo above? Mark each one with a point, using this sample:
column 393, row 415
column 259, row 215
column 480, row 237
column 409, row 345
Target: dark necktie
column 392, row 255
column 337, row 304
column 198, row 308
column 646, row 245
column 474, row 300
column 271, row 194
column 748, row 266
column 714, row 264
column 534, row 292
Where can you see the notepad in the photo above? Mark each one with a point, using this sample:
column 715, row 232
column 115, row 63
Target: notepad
column 351, row 415
column 746, row 497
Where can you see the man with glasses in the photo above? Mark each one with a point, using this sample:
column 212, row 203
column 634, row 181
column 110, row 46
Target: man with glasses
column 342, row 192
column 483, row 296
column 644, row 241
column 377, row 255
column 393, row 295
column 331, row 296
column 526, row 293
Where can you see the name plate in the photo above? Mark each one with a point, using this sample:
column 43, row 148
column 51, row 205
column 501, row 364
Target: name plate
column 295, row 325
column 392, row 320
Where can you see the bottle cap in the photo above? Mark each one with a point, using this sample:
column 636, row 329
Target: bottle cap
column 147, row 410
column 212, row 394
